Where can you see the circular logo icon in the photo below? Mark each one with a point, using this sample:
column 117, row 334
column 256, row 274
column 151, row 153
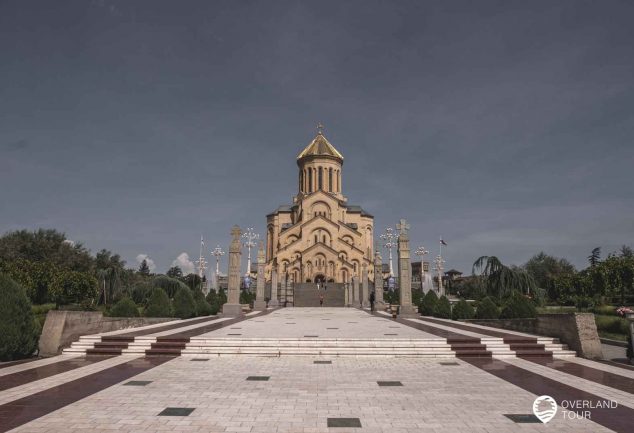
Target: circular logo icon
column 545, row 408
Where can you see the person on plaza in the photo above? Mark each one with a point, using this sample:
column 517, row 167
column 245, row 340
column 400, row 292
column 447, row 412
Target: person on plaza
column 372, row 299
column 321, row 300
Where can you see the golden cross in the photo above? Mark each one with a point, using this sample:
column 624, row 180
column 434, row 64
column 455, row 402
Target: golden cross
column 320, row 128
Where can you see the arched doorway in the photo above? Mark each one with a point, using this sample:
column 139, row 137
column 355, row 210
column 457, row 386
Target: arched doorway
column 320, row 278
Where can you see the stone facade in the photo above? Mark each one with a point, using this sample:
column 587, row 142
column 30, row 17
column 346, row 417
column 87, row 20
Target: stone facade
column 320, row 237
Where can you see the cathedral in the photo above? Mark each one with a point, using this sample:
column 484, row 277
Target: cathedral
column 320, row 238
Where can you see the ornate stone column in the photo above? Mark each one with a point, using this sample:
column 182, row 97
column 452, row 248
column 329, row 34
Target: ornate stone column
column 378, row 280
column 260, row 303
column 365, row 299
column 404, row 271
column 356, row 301
column 274, row 302
column 283, row 288
column 233, row 308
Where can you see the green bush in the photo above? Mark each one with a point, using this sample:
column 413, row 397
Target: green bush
column 612, row 324
column 606, row 310
column 19, row 332
column 443, row 308
column 487, row 309
column 159, row 304
column 518, row 307
column 184, row 304
column 124, row 308
column 247, row 297
column 462, row 310
column 203, row 308
column 428, row 304
column 70, row 287
column 170, row 285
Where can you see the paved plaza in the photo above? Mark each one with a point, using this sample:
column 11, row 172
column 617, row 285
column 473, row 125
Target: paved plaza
column 263, row 393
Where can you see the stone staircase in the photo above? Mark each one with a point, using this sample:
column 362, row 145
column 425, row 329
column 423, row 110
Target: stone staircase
column 307, row 295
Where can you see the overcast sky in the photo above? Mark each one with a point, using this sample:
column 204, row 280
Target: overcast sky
column 504, row 126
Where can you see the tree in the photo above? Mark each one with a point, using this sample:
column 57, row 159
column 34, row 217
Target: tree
column 109, row 269
column 35, row 277
column 202, row 306
column 170, row 285
column 462, row 310
column 19, row 331
column 70, row 287
column 626, row 251
column 502, row 281
column 124, row 308
column 174, row 272
column 45, row 245
column 193, row 281
column 518, row 307
column 487, row 309
column 144, row 269
column 158, row 304
column 428, row 304
column 545, row 269
column 595, row 256
column 184, row 305
column 443, row 308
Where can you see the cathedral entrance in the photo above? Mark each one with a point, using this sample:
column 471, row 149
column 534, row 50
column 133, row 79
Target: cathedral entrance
column 320, row 279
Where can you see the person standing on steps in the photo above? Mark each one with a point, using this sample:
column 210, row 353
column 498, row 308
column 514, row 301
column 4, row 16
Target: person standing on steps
column 372, row 299
column 321, row 300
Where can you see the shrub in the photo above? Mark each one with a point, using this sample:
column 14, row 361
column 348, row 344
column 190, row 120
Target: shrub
column 159, row 304
column 70, row 287
column 247, row 297
column 124, row 308
column 428, row 304
column 518, row 307
column 184, row 304
column 487, row 309
column 462, row 310
column 19, row 332
column 606, row 310
column 203, row 308
column 170, row 285
column 443, row 308
column 612, row 324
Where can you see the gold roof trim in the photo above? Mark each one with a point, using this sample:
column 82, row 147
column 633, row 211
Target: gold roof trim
column 320, row 146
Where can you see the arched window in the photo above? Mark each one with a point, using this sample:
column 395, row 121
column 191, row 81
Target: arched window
column 310, row 180
column 320, row 177
column 330, row 179
column 301, row 181
column 316, row 239
column 324, row 238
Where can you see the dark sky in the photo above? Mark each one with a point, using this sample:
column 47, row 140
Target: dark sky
column 504, row 126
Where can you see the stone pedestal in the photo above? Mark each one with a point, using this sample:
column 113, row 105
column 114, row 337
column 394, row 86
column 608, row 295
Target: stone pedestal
column 233, row 308
column 260, row 303
column 274, row 302
column 405, row 271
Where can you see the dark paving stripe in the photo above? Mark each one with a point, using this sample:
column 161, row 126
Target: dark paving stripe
column 18, row 412
column 158, row 329
column 19, row 361
column 37, row 373
column 213, row 326
column 618, row 419
column 489, row 332
column 593, row 374
column 614, row 363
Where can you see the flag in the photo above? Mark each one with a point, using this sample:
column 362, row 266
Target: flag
column 443, row 242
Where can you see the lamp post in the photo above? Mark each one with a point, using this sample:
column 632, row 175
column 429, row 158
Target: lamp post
column 201, row 262
column 389, row 237
column 217, row 252
column 250, row 237
column 439, row 268
column 422, row 252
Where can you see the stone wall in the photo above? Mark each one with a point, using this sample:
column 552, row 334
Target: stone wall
column 577, row 330
column 63, row 327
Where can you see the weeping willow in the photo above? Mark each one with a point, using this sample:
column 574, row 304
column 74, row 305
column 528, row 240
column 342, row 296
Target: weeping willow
column 502, row 281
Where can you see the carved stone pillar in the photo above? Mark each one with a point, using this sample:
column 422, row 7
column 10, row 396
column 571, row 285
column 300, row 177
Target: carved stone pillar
column 233, row 308
column 260, row 303
column 405, row 271
column 365, row 299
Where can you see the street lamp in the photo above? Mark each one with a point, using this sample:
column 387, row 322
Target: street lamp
column 250, row 237
column 390, row 239
column 422, row 252
column 202, row 263
column 438, row 261
column 217, row 252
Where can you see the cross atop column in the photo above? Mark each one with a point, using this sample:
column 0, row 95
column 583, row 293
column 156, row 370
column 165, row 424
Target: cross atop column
column 402, row 227
column 320, row 128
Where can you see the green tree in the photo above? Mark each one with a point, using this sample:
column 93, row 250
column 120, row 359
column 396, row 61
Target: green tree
column 45, row 245
column 518, row 307
column 109, row 269
column 184, row 304
column 193, row 281
column 159, row 304
column 545, row 269
column 170, row 285
column 626, row 251
column 595, row 256
column 428, row 304
column 19, row 332
column 70, row 287
column 443, row 308
column 144, row 269
column 124, row 308
column 174, row 272
column 462, row 310
column 203, row 308
column 501, row 280
column 35, row 277
column 487, row 309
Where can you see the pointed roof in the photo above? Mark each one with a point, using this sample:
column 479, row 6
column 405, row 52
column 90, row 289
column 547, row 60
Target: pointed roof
column 320, row 146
